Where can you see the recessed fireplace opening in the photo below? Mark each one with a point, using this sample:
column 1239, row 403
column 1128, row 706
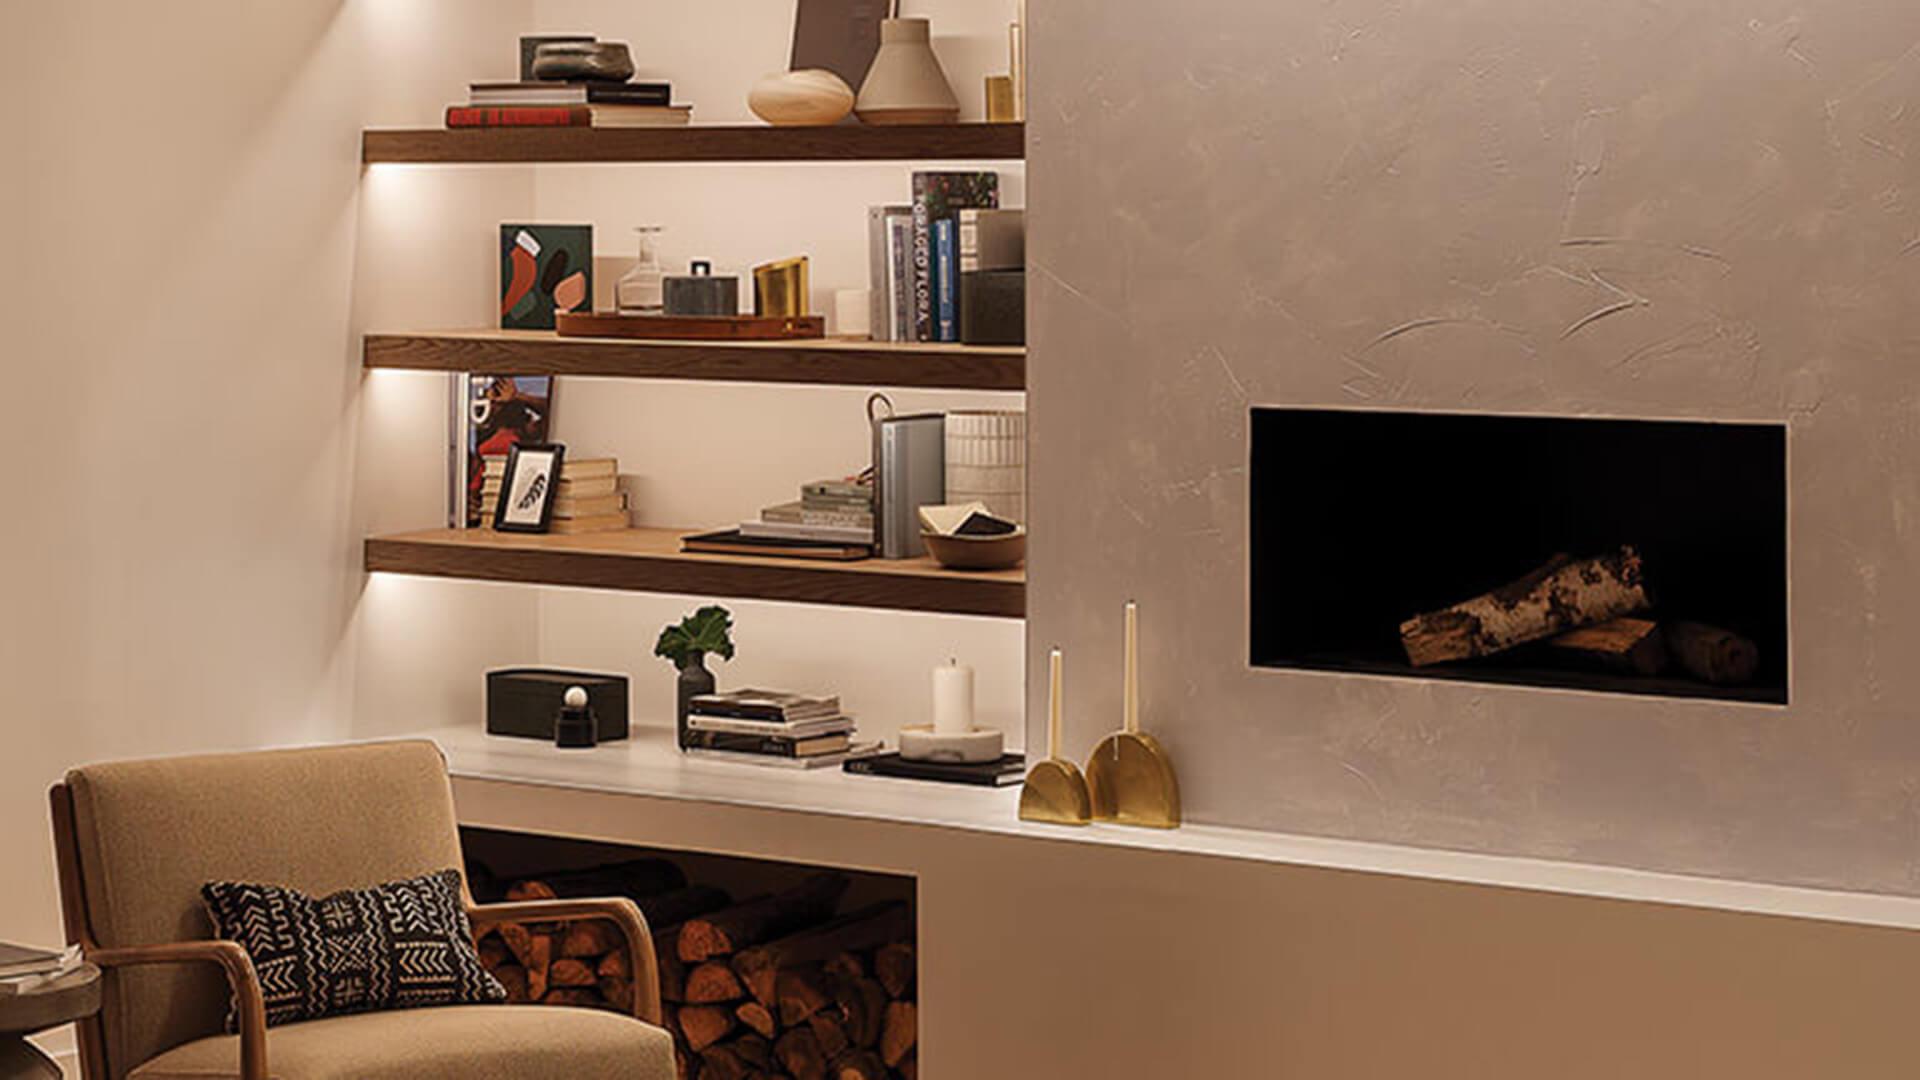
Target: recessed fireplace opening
column 1624, row 556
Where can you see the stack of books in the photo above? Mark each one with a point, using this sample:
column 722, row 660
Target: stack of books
column 569, row 104
column 21, row 961
column 589, row 499
column 832, row 520
column 836, row 511
column 773, row 728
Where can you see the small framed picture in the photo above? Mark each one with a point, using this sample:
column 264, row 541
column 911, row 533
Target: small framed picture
column 526, row 491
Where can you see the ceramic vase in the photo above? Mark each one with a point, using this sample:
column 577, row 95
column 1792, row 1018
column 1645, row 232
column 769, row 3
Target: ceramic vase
column 813, row 97
column 694, row 680
column 906, row 84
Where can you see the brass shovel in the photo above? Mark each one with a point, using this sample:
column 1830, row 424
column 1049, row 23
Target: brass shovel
column 1130, row 777
column 1055, row 792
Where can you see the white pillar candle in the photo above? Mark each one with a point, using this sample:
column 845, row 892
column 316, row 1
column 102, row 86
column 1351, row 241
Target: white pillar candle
column 952, row 699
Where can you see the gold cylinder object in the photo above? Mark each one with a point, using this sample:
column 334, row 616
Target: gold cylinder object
column 781, row 289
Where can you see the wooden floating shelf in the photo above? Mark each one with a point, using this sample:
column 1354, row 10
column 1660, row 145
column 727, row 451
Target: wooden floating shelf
column 850, row 142
column 818, row 361
column 650, row 560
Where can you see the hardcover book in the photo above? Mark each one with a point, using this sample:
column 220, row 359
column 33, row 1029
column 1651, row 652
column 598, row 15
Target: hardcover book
column 480, row 116
column 882, row 278
column 771, row 705
column 817, row 761
column 940, row 196
column 540, row 92
column 945, row 284
column 771, row 745
column 796, row 729
column 1009, row 770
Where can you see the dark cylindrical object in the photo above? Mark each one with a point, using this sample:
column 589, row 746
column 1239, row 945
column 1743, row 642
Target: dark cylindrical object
column 700, row 293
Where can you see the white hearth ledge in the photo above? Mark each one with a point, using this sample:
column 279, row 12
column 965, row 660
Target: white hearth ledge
column 647, row 765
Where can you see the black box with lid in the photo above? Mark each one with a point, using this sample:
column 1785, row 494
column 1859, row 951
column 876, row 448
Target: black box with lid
column 524, row 701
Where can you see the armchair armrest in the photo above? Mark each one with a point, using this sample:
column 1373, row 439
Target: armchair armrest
column 621, row 912
column 250, row 1007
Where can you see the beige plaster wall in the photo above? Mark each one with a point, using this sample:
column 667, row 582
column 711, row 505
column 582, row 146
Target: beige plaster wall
column 1701, row 210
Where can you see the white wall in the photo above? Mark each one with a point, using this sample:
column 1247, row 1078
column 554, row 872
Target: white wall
column 181, row 570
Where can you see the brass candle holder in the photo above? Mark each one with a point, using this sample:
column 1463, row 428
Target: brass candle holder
column 1130, row 778
column 1055, row 792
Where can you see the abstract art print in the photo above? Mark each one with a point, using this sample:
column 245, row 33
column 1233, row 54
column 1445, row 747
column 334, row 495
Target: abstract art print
column 527, row 490
column 502, row 412
column 543, row 269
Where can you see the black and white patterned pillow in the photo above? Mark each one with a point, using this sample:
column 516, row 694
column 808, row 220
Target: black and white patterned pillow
column 393, row 946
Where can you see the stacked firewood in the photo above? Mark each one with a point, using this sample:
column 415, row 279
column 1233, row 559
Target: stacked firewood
column 782, row 985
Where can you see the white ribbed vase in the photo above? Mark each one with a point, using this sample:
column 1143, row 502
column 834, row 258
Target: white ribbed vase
column 987, row 461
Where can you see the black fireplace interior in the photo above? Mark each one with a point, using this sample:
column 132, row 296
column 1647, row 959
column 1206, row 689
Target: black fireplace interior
column 1361, row 520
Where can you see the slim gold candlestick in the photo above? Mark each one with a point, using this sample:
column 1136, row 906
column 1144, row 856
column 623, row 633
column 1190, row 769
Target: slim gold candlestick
column 1055, row 792
column 1130, row 779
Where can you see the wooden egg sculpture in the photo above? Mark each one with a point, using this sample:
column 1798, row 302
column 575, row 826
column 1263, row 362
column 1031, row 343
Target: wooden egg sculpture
column 812, row 97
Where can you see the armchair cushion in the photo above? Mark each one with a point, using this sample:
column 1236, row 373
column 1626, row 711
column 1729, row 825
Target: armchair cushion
column 398, row 945
column 458, row 1042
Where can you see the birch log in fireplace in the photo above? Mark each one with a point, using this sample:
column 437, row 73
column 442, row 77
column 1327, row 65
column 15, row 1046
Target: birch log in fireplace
column 1565, row 594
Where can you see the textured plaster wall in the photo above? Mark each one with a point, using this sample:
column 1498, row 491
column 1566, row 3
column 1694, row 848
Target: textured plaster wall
column 1701, row 210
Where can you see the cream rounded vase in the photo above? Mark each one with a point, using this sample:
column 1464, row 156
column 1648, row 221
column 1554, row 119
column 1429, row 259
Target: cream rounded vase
column 906, row 84
column 810, row 97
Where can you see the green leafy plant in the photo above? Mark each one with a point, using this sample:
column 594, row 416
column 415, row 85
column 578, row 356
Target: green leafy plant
column 709, row 630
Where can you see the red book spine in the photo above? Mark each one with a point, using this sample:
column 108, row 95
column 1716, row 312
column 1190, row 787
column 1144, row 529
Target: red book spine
column 466, row 116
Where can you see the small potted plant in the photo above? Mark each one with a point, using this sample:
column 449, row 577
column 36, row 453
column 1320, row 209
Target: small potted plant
column 687, row 643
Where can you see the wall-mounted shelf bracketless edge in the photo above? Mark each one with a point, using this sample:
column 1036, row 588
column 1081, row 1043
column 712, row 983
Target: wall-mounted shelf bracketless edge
column 556, row 145
column 650, row 560
column 821, row 362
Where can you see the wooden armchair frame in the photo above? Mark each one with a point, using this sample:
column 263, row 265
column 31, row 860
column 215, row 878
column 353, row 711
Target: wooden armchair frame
column 250, row 1004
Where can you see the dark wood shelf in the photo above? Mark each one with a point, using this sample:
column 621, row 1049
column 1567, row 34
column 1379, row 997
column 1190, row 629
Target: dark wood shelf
column 820, row 361
column 849, row 142
column 650, row 560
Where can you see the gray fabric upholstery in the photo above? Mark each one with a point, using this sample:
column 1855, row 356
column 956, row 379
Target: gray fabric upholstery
column 455, row 1042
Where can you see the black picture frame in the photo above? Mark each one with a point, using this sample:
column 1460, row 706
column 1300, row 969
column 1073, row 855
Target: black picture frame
column 547, row 459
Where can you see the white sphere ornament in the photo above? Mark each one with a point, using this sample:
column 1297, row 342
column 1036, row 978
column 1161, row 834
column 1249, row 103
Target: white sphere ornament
column 808, row 98
column 576, row 697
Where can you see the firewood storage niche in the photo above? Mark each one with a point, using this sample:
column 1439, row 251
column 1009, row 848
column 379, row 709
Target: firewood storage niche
column 1620, row 556
column 765, row 968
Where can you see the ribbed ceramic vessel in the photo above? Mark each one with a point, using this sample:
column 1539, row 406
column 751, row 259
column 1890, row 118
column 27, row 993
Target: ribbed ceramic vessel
column 906, row 84
column 987, row 461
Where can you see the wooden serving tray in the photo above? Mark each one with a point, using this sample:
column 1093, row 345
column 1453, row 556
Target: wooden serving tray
column 689, row 327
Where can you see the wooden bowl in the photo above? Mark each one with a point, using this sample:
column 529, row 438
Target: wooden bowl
column 977, row 552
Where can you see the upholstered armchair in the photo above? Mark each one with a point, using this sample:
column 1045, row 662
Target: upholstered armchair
column 136, row 840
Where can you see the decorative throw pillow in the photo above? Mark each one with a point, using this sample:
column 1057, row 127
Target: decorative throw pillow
column 393, row 946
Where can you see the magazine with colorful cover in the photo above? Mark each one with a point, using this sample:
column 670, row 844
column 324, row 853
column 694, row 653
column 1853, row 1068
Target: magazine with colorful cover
column 497, row 413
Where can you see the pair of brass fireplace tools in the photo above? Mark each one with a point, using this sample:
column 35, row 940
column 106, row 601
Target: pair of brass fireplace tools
column 1129, row 778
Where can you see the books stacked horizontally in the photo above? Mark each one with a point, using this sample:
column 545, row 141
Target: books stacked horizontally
column 589, row 499
column 569, row 104
column 832, row 520
column 21, row 961
column 773, row 728
column 836, row 511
